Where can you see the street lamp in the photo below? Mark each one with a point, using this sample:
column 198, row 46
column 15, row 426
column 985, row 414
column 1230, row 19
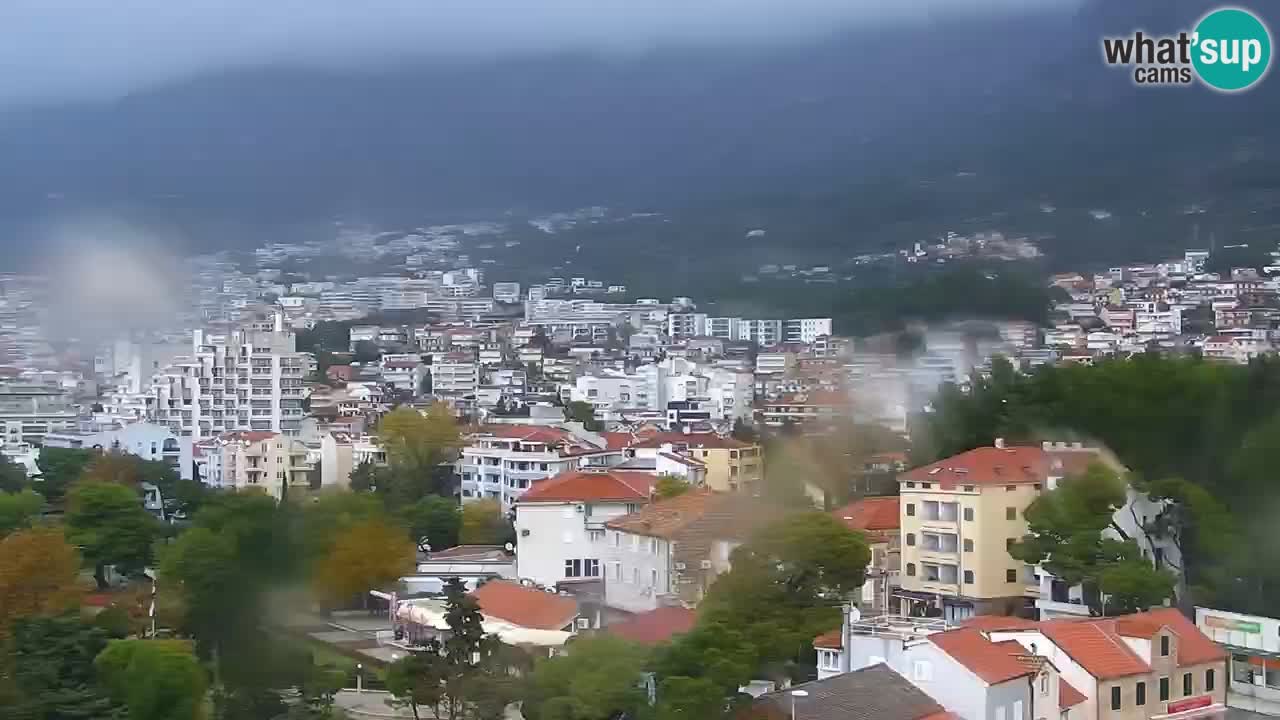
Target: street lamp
column 797, row 694
column 359, row 677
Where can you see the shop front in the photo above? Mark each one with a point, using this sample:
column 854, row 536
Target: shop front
column 1253, row 642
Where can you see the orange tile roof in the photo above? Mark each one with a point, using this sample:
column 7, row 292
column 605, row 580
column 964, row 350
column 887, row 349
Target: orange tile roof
column 1068, row 696
column 1194, row 647
column 694, row 440
column 1102, row 654
column 525, row 606
column 873, row 513
column 668, row 518
column 831, row 639
column 656, row 626
column 1001, row 466
column 529, row 433
column 982, row 657
column 586, row 486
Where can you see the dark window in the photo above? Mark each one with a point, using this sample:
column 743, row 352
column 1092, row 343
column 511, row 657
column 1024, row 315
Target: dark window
column 927, row 486
column 911, row 484
column 1008, row 543
column 1141, row 693
column 968, row 488
column 1115, row 698
column 1164, row 688
column 968, row 580
column 1208, row 680
column 1186, row 684
column 1010, row 513
column 1010, row 488
column 911, row 509
column 1036, row 486
column 911, row 569
column 968, row 514
column 911, row 538
column 1011, row 576
column 1164, row 646
column 968, row 545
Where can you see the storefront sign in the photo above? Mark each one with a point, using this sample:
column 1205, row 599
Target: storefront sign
column 1223, row 623
column 1193, row 703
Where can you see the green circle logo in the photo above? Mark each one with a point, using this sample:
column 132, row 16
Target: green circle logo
column 1232, row 49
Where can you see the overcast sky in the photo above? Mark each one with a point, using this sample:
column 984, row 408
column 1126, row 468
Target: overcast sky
column 81, row 49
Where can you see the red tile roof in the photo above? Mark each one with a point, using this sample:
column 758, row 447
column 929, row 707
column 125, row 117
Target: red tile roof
column 874, row 513
column 982, row 657
column 528, row 433
column 1194, row 647
column 1068, row 696
column 708, row 440
column 1102, row 654
column 995, row 623
column 656, row 626
column 1001, row 466
column 617, row 440
column 587, row 486
column 525, row 606
column 831, row 639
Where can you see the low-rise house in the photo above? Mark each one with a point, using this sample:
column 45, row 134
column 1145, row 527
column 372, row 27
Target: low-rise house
column 878, row 518
column 560, row 522
column 1253, row 643
column 503, row 461
column 873, row 693
column 472, row 564
column 670, row 551
column 519, row 615
column 730, row 465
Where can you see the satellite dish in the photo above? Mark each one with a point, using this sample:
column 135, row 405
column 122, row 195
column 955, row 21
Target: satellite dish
column 854, row 614
column 509, row 547
column 423, row 544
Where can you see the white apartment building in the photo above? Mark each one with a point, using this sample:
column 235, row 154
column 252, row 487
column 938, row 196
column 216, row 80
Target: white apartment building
column 560, row 522
column 614, row 390
column 806, row 330
column 454, row 373
column 506, row 292
column 342, row 452
column 765, row 333
column 148, row 441
column 248, row 379
column 774, row 363
column 682, row 325
column 27, row 413
column 503, row 461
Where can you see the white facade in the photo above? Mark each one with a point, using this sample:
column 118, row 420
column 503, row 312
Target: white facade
column 454, row 373
column 250, row 379
column 806, row 330
column 637, row 570
column 551, row 536
column 145, row 440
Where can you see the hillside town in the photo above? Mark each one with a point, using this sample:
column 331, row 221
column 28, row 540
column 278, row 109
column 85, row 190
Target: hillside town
column 629, row 452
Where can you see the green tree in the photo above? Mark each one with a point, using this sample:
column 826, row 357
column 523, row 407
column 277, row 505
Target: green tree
column 52, row 671
column 418, row 679
column 330, row 515
column 484, row 523
column 669, row 486
column 203, row 567
column 1132, row 585
column 367, row 351
column 39, row 575
column 13, row 477
column 435, row 519
column 1068, row 534
column 153, row 679
column 364, row 477
column 59, row 468
column 18, row 510
column 579, row 411
column 416, row 446
column 109, row 523
column 598, row 677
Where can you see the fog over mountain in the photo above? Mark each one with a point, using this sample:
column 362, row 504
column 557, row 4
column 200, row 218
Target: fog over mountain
column 219, row 120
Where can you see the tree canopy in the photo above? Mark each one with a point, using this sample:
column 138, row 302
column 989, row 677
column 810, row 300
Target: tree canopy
column 39, row 575
column 153, row 679
column 369, row 554
column 110, row 524
column 53, row 673
column 18, row 510
column 598, row 677
column 484, row 523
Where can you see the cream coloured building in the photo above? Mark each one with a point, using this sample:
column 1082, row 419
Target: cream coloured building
column 960, row 515
column 267, row 461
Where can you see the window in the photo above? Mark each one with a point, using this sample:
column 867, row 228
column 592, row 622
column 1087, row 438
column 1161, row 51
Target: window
column 911, row 509
column 1141, row 694
column 911, row 569
column 1164, row 688
column 1011, row 576
column 968, row 514
column 1241, row 670
column 968, row 545
column 635, row 576
column 968, row 488
column 911, row 539
column 617, row 571
column 635, row 543
column 1186, row 684
column 595, row 535
column 572, row 568
column 1010, row 488
column 968, row 577
column 1044, row 683
column 1008, row 543
column 911, row 484
column 1115, row 697
column 617, row 538
column 653, row 578
column 922, row 670
column 1011, row 513
column 1017, row 710
column 1164, row 646
column 927, row 486
column 1036, row 486
column 591, row 568
column 1208, row 680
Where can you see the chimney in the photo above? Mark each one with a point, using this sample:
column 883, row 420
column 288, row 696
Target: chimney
column 999, row 443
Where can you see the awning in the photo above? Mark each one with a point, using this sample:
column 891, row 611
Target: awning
column 1204, row 711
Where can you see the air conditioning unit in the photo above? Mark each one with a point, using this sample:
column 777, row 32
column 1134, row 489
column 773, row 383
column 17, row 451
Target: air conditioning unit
column 706, row 564
column 680, row 566
column 524, row 533
column 579, row 507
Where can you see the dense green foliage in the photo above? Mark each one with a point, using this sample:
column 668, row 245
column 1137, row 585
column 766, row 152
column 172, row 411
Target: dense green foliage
column 52, row 672
column 153, row 679
column 1187, row 429
column 110, row 525
column 598, row 677
column 59, row 468
column 13, row 477
column 18, row 509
